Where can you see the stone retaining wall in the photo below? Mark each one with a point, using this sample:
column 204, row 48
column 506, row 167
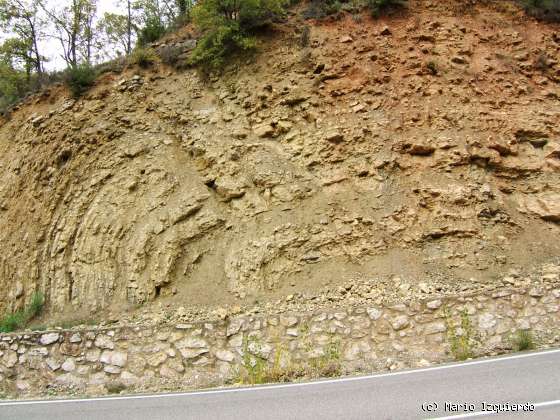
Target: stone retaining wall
column 97, row 361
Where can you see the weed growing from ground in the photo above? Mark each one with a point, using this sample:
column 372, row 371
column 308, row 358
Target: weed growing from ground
column 523, row 340
column 460, row 337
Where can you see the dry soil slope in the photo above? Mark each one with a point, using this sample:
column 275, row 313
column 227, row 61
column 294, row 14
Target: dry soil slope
column 300, row 170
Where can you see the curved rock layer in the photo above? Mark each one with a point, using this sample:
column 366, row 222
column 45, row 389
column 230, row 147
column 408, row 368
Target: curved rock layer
column 428, row 150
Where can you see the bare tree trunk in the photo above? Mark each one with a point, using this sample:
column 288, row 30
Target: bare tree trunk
column 182, row 5
column 38, row 59
column 129, row 29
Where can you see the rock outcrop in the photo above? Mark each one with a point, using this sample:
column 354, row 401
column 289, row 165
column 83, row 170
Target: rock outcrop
column 307, row 168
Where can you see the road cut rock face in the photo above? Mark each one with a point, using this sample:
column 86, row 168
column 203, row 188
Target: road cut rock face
column 414, row 155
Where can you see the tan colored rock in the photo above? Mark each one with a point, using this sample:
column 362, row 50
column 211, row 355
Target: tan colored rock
column 264, row 131
column 49, row 338
column 400, row 322
column 115, row 358
column 546, row 205
column 225, row 355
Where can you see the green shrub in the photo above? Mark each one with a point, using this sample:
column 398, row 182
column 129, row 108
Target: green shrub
column 12, row 322
column 20, row 319
column 380, row 7
column 80, row 78
column 228, row 26
column 152, row 30
column 432, row 67
column 319, row 9
column 143, row 57
column 523, row 340
column 548, row 10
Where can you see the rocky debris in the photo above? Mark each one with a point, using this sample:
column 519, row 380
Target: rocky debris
column 295, row 99
column 459, row 59
column 265, row 131
column 536, row 138
column 415, row 148
column 546, row 205
column 334, row 137
column 130, row 85
column 229, row 188
column 385, row 31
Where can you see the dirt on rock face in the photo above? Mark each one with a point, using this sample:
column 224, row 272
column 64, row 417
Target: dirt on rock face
column 423, row 147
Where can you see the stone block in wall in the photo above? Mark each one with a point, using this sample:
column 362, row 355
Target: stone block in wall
column 434, row 304
column 354, row 350
column 225, row 355
column 114, row 370
column 53, row 364
column 261, row 350
column 114, row 358
column 49, row 338
column 288, row 321
column 234, row 326
column 70, row 349
column 203, row 361
column 128, row 379
column 69, row 365
column 400, row 322
column 188, row 353
column 236, row 341
column 167, row 372
column 104, row 342
column 374, row 313
column 156, row 359
column 435, row 328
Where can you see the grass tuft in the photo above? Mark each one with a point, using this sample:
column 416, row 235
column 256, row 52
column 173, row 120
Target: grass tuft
column 523, row 340
column 19, row 320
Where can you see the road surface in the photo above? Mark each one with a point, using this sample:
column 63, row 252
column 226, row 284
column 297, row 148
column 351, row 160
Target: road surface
column 523, row 378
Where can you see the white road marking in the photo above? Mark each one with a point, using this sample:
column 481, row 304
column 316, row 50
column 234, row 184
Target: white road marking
column 299, row 384
column 491, row 413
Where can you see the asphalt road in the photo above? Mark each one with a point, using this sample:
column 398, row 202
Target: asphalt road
column 522, row 378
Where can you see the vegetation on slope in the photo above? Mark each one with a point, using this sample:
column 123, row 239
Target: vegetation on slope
column 227, row 26
column 85, row 39
column 19, row 319
column 548, row 10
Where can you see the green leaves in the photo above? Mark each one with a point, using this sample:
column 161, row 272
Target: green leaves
column 548, row 10
column 80, row 78
column 227, row 27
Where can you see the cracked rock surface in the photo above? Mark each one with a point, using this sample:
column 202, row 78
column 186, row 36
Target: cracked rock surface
column 303, row 169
